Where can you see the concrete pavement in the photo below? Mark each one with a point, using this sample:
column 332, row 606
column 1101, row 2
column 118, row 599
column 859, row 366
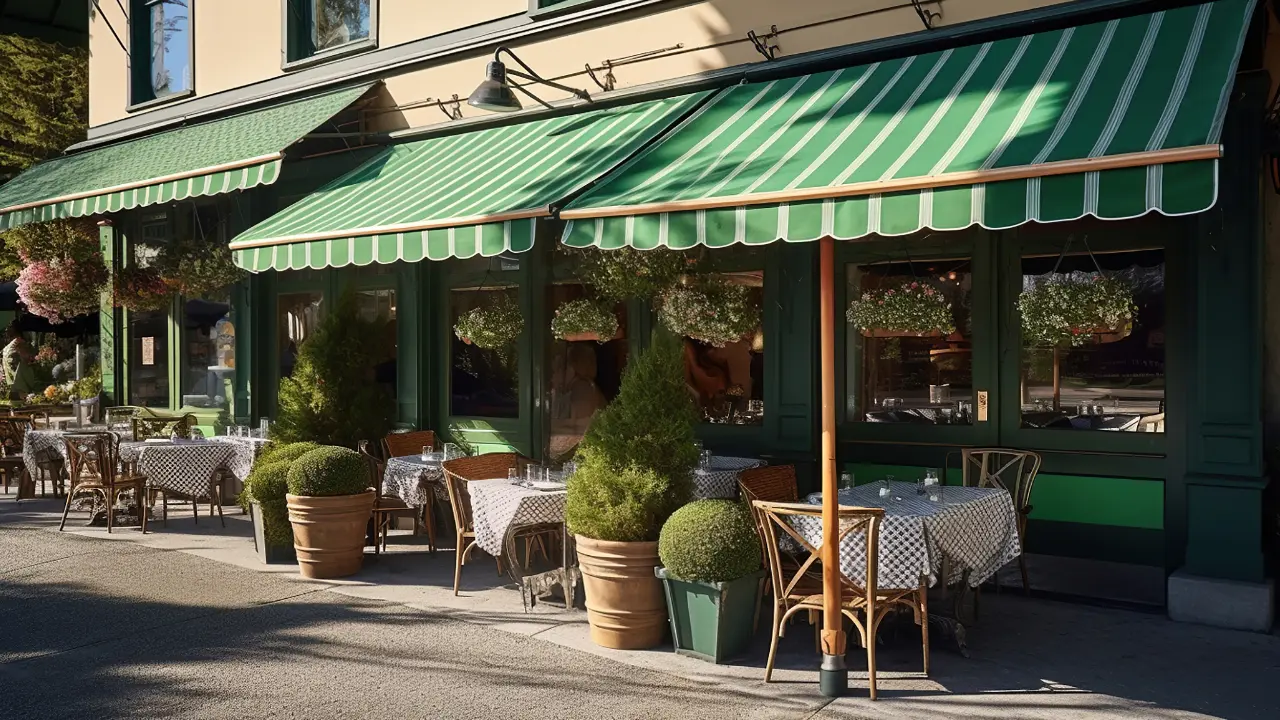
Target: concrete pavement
column 184, row 623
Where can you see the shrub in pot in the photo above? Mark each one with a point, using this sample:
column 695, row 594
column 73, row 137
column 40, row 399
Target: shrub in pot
column 711, row 574
column 634, row 470
column 330, row 503
column 263, row 498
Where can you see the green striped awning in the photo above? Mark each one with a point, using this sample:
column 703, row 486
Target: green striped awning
column 219, row 156
column 475, row 193
column 1113, row 120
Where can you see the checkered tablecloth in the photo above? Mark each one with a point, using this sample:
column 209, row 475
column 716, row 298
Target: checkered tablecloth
column 976, row 529
column 720, row 478
column 244, row 453
column 185, row 469
column 497, row 506
column 415, row 480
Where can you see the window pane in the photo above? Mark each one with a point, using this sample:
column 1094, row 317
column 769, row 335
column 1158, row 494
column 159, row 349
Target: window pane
column 170, row 47
column 729, row 380
column 338, row 22
column 910, row 343
column 378, row 307
column 1079, row 373
column 297, row 317
column 149, row 359
column 482, row 383
column 585, row 375
column 209, row 355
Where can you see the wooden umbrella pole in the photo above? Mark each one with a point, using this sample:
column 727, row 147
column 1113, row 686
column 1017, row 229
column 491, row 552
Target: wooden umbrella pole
column 834, row 676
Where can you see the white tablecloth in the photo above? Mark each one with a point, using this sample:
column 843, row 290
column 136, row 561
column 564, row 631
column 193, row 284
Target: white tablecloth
column 497, row 506
column 186, row 469
column 415, row 480
column 244, row 453
column 720, row 478
column 974, row 528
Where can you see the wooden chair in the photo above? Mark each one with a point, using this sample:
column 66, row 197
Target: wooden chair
column 162, row 427
column 1013, row 471
column 13, row 432
column 771, row 483
column 801, row 588
column 411, row 443
column 93, row 466
column 385, row 507
column 38, row 415
column 459, row 472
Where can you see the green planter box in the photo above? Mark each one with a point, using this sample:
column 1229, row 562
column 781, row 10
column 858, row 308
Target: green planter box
column 712, row 621
column 269, row 554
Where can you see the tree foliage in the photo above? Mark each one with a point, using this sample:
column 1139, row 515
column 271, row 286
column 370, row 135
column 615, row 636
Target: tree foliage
column 45, row 87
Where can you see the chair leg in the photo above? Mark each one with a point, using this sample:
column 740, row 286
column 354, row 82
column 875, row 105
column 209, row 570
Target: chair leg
column 457, row 564
column 429, row 518
column 773, row 642
column 871, row 654
column 66, row 509
column 218, row 493
column 110, row 495
column 142, row 507
column 924, row 624
column 195, row 509
column 1026, row 581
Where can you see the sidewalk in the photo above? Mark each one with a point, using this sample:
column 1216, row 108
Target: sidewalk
column 1029, row 658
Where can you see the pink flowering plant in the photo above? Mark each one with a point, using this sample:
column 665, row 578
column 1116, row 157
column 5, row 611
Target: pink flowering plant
column 62, row 273
column 141, row 289
column 1070, row 310
column 914, row 307
column 710, row 310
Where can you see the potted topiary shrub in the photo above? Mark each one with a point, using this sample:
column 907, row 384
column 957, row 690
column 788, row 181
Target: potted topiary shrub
column 330, row 502
column 263, row 498
column 634, row 470
column 711, row 574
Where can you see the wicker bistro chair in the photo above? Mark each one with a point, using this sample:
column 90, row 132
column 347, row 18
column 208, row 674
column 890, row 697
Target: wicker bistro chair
column 1013, row 471
column 801, row 588
column 771, row 483
column 385, row 507
column 459, row 472
column 162, row 427
column 13, row 433
column 93, row 466
column 411, row 443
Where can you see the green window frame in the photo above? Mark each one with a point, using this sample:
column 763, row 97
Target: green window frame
column 146, row 40
column 298, row 24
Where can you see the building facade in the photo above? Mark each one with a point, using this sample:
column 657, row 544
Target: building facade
column 259, row 115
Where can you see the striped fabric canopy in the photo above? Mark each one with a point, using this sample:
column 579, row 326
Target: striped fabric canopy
column 476, row 193
column 1113, row 120
column 219, row 156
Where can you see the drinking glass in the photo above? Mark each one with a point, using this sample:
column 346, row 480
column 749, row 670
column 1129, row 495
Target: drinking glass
column 936, row 493
column 885, row 488
column 513, row 476
column 569, row 469
column 846, row 481
column 451, row 451
column 931, row 476
column 426, row 453
column 263, row 424
column 533, row 473
column 704, row 459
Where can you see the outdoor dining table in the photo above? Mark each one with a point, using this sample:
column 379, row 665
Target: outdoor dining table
column 975, row 530
column 719, row 479
column 416, row 479
column 186, row 468
column 499, row 506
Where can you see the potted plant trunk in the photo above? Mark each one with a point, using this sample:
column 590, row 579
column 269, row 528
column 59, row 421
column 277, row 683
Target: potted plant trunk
column 263, row 498
column 712, row 577
column 634, row 471
column 330, row 503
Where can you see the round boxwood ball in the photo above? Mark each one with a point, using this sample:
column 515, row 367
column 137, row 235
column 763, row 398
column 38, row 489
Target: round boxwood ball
column 710, row 541
column 287, row 452
column 328, row 471
column 269, row 481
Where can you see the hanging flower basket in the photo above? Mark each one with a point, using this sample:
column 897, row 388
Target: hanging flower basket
column 58, row 290
column 198, row 268
column 141, row 289
column 627, row 273
column 494, row 326
column 1076, row 310
column 582, row 320
column 915, row 309
column 712, row 311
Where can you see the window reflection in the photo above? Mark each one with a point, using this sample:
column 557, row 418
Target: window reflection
column 728, row 381
column 338, row 22
column 149, row 359
column 1094, row 377
column 378, row 308
column 585, row 376
column 482, row 382
column 170, row 47
column 910, row 335
column 297, row 317
column 209, row 353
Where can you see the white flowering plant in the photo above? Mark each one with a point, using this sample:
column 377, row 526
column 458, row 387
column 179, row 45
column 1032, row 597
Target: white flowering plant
column 1071, row 310
column 585, row 317
column 914, row 307
column 494, row 326
column 711, row 310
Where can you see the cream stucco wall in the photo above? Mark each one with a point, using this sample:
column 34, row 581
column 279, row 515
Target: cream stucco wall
column 238, row 43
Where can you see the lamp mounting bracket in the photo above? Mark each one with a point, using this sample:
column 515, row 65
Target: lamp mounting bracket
column 928, row 17
column 765, row 44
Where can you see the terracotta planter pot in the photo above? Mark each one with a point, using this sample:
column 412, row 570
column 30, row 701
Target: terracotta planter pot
column 329, row 533
column 625, row 603
column 590, row 337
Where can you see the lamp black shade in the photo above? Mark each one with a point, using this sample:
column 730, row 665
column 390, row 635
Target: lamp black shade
column 494, row 93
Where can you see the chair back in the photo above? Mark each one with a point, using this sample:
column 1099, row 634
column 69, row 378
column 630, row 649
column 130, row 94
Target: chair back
column 377, row 468
column 38, row 416
column 120, row 417
column 13, row 433
column 460, row 471
column 408, row 443
column 771, row 483
column 1013, row 471
column 162, row 427
column 91, row 455
column 781, row 523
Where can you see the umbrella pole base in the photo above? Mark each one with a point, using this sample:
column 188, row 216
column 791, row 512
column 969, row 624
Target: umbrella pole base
column 833, row 676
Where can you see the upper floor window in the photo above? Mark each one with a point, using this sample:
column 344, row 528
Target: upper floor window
column 161, row 42
column 316, row 27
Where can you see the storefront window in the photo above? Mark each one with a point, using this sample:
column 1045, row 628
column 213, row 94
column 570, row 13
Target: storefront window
column 209, row 352
column 585, row 373
column 729, row 381
column 1081, row 373
column 910, row 337
column 297, row 317
column 483, row 382
column 378, row 308
column 149, row 359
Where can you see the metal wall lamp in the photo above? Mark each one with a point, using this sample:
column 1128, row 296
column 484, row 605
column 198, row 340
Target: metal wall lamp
column 497, row 94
